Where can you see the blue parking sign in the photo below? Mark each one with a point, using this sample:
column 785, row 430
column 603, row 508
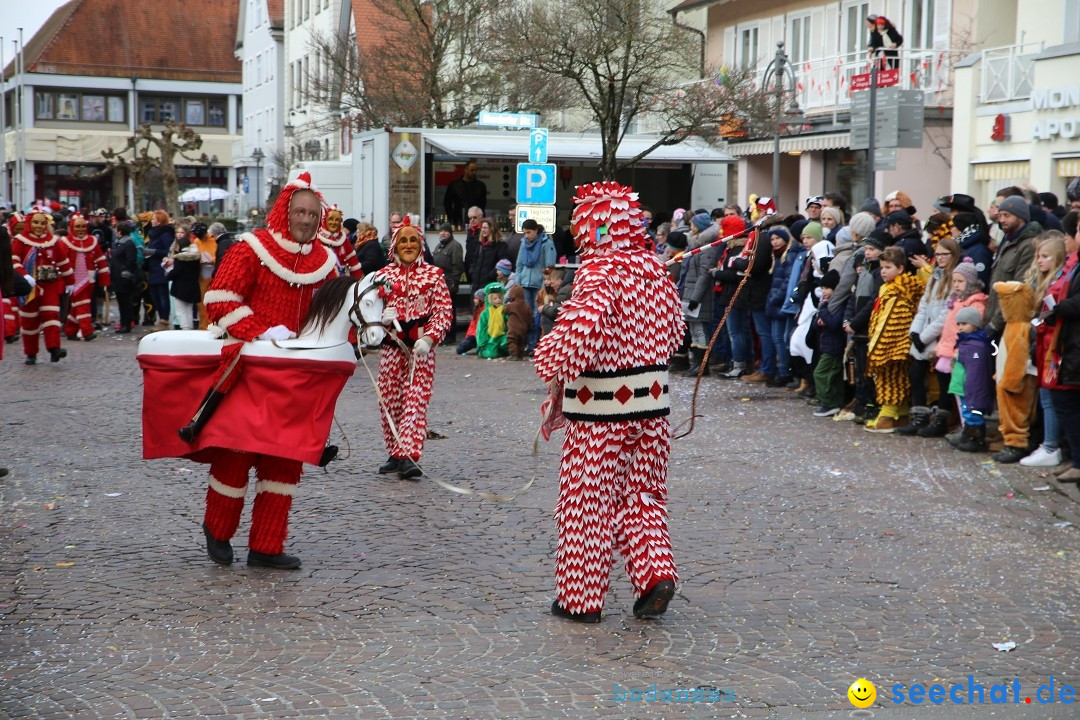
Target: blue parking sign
column 536, row 183
column 538, row 145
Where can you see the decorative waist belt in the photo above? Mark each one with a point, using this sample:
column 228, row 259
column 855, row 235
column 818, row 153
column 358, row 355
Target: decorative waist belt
column 612, row 395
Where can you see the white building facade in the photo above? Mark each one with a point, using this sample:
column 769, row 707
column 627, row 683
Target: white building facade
column 1021, row 106
column 260, row 47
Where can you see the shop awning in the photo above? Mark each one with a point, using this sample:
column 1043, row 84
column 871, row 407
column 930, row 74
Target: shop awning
column 1002, row 169
column 567, row 146
column 799, row 143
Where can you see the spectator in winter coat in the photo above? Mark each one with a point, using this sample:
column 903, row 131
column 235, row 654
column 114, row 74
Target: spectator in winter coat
column 558, row 286
column 519, row 322
column 183, row 271
column 906, row 237
column 490, row 249
column 1065, row 355
column 369, row 252
column 123, row 267
column 857, row 319
column 537, row 252
column 697, row 288
column 161, row 236
column 448, row 256
column 787, row 254
column 1014, row 253
column 968, row 231
column 971, row 379
column 843, row 262
column 829, row 371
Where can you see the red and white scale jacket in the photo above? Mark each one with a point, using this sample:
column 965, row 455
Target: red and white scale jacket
column 50, row 258
column 422, row 300
column 266, row 280
column 613, row 338
column 338, row 244
column 86, row 256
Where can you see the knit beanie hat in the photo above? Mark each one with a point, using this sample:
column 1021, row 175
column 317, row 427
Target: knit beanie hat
column 731, row 225
column 505, row 267
column 969, row 315
column 1016, row 205
column 830, row 280
column 834, row 213
column 879, row 239
column 780, row 232
column 701, row 221
column 871, row 206
column 862, row 224
column 677, row 239
column 813, row 229
column 967, row 269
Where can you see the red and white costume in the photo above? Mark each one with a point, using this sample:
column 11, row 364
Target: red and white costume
column 11, row 324
column 265, row 280
column 44, row 258
column 419, row 294
column 338, row 244
column 606, row 360
column 89, row 267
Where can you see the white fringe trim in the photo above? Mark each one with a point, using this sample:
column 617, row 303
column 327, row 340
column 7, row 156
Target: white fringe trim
column 219, row 296
column 272, row 486
column 78, row 249
column 327, row 239
column 284, row 273
column 48, row 308
column 291, row 246
column 229, row 492
column 50, row 323
column 235, row 316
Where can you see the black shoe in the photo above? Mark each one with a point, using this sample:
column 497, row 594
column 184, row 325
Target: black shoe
column 121, row 331
column 409, row 470
column 589, row 617
column 1010, row 454
column 3, row 472
column 30, row 360
column 938, row 425
column 655, row 602
column 779, row 382
column 57, row 354
column 72, row 338
column 793, row 383
column 220, row 551
column 920, row 417
column 391, row 465
column 278, row 562
column 90, row 337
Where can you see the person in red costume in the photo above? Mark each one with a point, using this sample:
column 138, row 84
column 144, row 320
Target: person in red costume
column 89, row 266
column 336, row 240
column 42, row 259
column 419, row 311
column 262, row 290
column 606, row 362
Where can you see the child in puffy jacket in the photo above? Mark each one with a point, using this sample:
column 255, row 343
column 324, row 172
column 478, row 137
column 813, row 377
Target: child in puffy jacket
column 972, row 379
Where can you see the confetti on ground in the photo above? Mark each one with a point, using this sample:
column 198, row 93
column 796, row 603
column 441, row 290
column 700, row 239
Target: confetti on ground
column 1005, row 646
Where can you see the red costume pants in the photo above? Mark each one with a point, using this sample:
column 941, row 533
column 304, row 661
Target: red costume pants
column 11, row 326
column 405, row 402
column 276, row 481
column 79, row 317
column 42, row 316
column 612, row 494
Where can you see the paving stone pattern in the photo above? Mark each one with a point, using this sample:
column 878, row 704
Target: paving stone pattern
column 811, row 554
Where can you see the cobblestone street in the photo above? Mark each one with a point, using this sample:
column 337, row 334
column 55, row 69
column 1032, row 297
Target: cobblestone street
column 811, row 553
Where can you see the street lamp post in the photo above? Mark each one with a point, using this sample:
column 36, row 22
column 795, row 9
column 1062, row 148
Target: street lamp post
column 257, row 155
column 782, row 76
column 210, row 163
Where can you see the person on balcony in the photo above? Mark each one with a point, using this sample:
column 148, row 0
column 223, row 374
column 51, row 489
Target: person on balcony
column 890, row 39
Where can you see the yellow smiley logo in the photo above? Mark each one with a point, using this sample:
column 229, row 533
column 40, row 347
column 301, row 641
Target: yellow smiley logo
column 862, row 693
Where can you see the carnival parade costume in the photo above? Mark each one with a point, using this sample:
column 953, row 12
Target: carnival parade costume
column 40, row 255
column 266, row 280
column 420, row 302
column 337, row 242
column 89, row 267
column 606, row 362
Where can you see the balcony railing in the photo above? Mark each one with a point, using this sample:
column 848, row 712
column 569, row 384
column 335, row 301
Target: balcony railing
column 1008, row 72
column 824, row 84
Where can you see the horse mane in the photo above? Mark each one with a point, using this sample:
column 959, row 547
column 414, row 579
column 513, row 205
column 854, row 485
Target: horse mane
column 327, row 302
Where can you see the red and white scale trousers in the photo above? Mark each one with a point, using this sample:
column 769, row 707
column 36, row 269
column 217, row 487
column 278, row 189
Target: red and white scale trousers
column 276, row 481
column 612, row 495
column 11, row 325
column 42, row 316
column 79, row 316
column 405, row 402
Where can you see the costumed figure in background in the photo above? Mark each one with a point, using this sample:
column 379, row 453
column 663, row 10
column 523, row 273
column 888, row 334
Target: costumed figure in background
column 606, row 361
column 336, row 240
column 11, row 303
column 42, row 259
column 90, row 268
column 418, row 313
column 261, row 290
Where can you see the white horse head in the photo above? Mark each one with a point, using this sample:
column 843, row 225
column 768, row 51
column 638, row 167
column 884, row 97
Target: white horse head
column 342, row 303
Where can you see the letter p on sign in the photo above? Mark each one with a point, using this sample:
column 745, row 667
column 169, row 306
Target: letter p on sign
column 536, row 183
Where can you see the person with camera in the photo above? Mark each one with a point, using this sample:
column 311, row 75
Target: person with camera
column 43, row 261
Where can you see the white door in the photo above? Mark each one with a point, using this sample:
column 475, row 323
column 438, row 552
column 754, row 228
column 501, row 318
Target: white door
column 854, row 36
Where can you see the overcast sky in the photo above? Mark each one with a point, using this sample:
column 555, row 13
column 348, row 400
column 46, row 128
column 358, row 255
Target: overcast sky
column 28, row 15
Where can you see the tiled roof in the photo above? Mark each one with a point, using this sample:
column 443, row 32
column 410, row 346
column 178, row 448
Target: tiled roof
column 276, row 8
column 190, row 40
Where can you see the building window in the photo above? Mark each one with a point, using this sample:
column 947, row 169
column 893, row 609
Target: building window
column 799, row 40
column 216, row 114
column 856, row 37
column 922, row 24
column 1072, row 22
column 258, row 70
column 196, row 111
column 748, row 46
column 50, row 105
